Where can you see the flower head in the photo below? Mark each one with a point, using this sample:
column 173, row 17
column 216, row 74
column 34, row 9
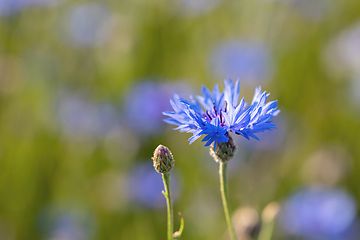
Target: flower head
column 163, row 159
column 215, row 114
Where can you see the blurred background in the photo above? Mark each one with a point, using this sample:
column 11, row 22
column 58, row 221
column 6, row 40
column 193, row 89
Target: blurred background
column 83, row 85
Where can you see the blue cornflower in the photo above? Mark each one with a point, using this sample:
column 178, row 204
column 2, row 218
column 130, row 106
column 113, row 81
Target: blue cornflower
column 216, row 114
column 319, row 213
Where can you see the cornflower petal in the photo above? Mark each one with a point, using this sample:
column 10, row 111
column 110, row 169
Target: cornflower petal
column 231, row 92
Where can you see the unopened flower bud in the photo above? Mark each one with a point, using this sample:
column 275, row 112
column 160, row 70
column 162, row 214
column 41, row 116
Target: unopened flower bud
column 270, row 212
column 224, row 151
column 163, row 159
column 247, row 223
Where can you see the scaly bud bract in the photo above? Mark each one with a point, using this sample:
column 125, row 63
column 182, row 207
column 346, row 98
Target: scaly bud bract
column 163, row 160
column 224, row 151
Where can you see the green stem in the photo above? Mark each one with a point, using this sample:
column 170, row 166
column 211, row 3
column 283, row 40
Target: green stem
column 168, row 196
column 225, row 198
column 266, row 231
column 268, row 220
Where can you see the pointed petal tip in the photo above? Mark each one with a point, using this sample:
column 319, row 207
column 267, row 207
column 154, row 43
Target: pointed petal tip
column 275, row 113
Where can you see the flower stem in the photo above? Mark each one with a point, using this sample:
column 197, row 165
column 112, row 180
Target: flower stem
column 268, row 220
column 225, row 198
column 266, row 231
column 168, row 196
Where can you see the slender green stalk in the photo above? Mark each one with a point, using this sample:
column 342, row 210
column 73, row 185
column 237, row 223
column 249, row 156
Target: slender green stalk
column 225, row 198
column 268, row 220
column 168, row 196
column 266, row 231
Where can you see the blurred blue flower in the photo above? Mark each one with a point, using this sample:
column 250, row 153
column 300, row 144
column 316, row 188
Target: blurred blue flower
column 69, row 224
column 221, row 113
column 145, row 186
column 194, row 8
column 88, row 24
column 80, row 118
column 249, row 61
column 67, row 227
column 148, row 120
column 9, row 7
column 318, row 212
